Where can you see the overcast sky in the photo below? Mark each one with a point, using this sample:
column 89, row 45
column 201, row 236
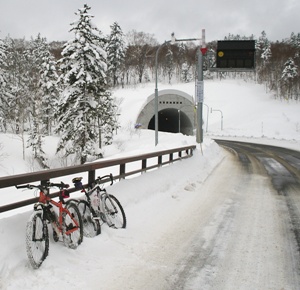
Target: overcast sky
column 186, row 18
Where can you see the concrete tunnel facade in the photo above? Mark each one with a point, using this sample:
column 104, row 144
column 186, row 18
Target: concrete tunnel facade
column 176, row 112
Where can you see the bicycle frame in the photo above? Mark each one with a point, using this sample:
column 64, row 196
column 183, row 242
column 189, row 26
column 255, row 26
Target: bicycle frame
column 102, row 205
column 44, row 200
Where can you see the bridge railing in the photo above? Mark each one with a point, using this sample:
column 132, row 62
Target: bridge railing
column 162, row 158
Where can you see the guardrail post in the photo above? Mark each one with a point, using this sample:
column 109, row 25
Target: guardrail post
column 122, row 170
column 144, row 164
column 91, row 176
column 159, row 160
column 44, row 182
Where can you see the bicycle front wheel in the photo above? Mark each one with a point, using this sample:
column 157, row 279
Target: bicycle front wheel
column 91, row 226
column 114, row 213
column 37, row 239
column 72, row 226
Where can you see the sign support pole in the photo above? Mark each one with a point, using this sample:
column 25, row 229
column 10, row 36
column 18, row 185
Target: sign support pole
column 200, row 89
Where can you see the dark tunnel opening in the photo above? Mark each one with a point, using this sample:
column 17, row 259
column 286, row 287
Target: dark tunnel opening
column 172, row 121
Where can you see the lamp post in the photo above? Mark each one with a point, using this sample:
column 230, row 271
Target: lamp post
column 172, row 41
column 178, row 120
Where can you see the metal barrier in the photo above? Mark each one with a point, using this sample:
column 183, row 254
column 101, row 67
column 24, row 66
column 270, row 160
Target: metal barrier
column 46, row 175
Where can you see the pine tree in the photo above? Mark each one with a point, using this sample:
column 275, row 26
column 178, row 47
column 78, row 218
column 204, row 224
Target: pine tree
column 3, row 84
column 169, row 64
column 289, row 75
column 266, row 53
column 42, row 83
column 17, row 97
column 85, row 105
column 48, row 86
column 115, row 53
column 186, row 75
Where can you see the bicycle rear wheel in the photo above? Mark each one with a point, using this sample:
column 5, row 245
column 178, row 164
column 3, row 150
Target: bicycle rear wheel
column 91, row 226
column 114, row 213
column 72, row 227
column 37, row 239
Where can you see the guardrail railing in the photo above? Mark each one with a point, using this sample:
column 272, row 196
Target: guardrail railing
column 46, row 175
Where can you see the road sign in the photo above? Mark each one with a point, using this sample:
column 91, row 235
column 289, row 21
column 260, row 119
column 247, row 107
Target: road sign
column 236, row 54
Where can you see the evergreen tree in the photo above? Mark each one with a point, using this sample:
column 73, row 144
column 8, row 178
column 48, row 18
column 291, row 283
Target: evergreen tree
column 289, row 75
column 169, row 64
column 17, row 102
column 85, row 105
column 3, row 85
column 115, row 53
column 266, row 53
column 48, row 85
column 181, row 58
column 42, row 79
column 186, row 75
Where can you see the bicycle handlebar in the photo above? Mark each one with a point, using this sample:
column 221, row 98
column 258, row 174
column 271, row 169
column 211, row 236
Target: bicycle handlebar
column 110, row 176
column 30, row 186
column 42, row 187
column 59, row 185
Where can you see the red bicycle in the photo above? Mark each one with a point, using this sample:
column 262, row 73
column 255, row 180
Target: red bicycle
column 66, row 223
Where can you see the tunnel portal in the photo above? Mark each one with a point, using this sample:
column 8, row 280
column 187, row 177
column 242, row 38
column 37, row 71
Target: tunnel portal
column 176, row 112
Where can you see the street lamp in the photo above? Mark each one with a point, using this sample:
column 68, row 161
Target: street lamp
column 172, row 41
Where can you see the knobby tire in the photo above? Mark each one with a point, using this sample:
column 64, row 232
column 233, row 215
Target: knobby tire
column 91, row 226
column 37, row 239
column 74, row 239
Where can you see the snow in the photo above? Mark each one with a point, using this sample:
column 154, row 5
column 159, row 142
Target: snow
column 153, row 201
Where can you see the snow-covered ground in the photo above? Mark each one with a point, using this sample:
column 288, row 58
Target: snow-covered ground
column 153, row 202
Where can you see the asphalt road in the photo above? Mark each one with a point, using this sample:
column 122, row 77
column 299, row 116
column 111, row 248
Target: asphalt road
column 248, row 225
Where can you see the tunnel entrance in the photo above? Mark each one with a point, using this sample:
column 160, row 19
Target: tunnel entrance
column 173, row 121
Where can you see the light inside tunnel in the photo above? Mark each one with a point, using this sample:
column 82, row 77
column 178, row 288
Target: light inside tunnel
column 173, row 121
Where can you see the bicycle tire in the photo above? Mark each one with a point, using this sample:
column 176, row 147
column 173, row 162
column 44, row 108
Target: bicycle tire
column 91, row 226
column 72, row 240
column 114, row 213
column 37, row 239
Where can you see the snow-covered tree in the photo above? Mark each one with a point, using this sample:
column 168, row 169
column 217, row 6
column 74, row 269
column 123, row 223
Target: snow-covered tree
column 295, row 40
column 289, row 75
column 48, row 86
column 169, row 64
column 16, row 99
column 115, row 53
column 262, row 44
column 3, row 84
column 43, row 94
column 266, row 54
column 85, row 105
column 2, row 65
column 186, row 75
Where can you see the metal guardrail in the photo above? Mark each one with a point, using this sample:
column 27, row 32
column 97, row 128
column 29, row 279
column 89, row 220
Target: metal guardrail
column 46, row 175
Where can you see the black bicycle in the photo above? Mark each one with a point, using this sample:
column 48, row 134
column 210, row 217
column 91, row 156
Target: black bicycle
column 98, row 206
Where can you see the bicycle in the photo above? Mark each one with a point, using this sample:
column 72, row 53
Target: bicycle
column 67, row 225
column 99, row 205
